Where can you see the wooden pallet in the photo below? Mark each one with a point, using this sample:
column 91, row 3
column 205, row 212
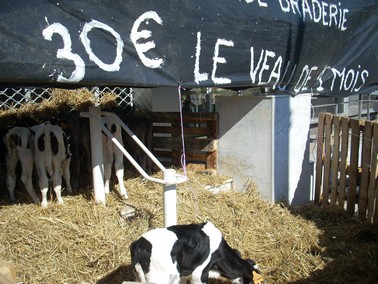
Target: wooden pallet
column 346, row 166
column 200, row 138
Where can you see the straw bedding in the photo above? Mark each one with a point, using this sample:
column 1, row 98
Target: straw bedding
column 81, row 242
column 84, row 242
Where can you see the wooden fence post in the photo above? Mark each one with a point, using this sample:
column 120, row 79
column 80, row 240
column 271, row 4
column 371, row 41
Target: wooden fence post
column 319, row 158
column 353, row 167
column 343, row 160
column 335, row 159
column 327, row 158
column 373, row 186
column 365, row 164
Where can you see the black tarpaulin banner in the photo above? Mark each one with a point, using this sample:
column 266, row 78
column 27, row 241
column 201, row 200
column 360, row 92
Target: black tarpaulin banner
column 296, row 46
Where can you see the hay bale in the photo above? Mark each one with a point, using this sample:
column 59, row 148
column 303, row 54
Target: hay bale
column 63, row 104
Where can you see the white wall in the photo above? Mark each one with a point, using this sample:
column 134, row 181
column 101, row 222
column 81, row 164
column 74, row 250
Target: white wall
column 245, row 141
column 265, row 139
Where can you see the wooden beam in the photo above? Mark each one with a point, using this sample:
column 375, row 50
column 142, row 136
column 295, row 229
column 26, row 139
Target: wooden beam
column 327, row 158
column 343, row 160
column 353, row 168
column 319, row 158
column 335, row 159
column 365, row 165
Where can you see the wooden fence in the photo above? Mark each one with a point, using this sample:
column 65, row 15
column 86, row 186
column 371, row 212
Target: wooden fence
column 346, row 166
column 200, row 137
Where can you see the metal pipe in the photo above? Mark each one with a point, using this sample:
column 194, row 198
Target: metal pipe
column 170, row 177
column 169, row 198
column 136, row 139
column 178, row 179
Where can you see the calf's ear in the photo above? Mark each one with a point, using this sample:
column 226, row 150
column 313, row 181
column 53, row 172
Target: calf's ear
column 257, row 278
column 254, row 266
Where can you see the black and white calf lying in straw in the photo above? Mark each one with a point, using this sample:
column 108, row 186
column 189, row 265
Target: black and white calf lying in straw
column 196, row 252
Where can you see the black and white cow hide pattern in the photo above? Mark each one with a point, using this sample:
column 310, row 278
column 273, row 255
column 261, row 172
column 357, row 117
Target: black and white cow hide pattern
column 52, row 159
column 196, row 252
column 113, row 155
column 19, row 149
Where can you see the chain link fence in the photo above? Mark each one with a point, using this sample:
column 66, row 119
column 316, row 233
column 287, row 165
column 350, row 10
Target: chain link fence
column 13, row 98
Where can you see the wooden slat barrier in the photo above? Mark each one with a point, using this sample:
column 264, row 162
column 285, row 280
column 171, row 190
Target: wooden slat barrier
column 200, row 136
column 346, row 166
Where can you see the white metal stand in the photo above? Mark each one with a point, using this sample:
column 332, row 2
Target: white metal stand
column 170, row 177
column 169, row 198
column 97, row 156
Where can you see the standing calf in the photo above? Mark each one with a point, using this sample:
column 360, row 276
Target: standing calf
column 19, row 148
column 52, row 159
column 196, row 251
column 112, row 154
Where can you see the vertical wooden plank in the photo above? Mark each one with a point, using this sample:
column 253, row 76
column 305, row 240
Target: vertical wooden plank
column 213, row 127
column 319, row 158
column 373, row 187
column 176, row 156
column 212, row 157
column 365, row 165
column 327, row 158
column 353, row 167
column 177, row 151
column 343, row 159
column 216, row 136
column 335, row 159
column 211, row 160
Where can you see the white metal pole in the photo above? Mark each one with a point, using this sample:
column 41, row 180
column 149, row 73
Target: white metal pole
column 169, row 198
column 97, row 158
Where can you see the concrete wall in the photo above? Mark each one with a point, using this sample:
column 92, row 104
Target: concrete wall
column 265, row 139
column 245, row 141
